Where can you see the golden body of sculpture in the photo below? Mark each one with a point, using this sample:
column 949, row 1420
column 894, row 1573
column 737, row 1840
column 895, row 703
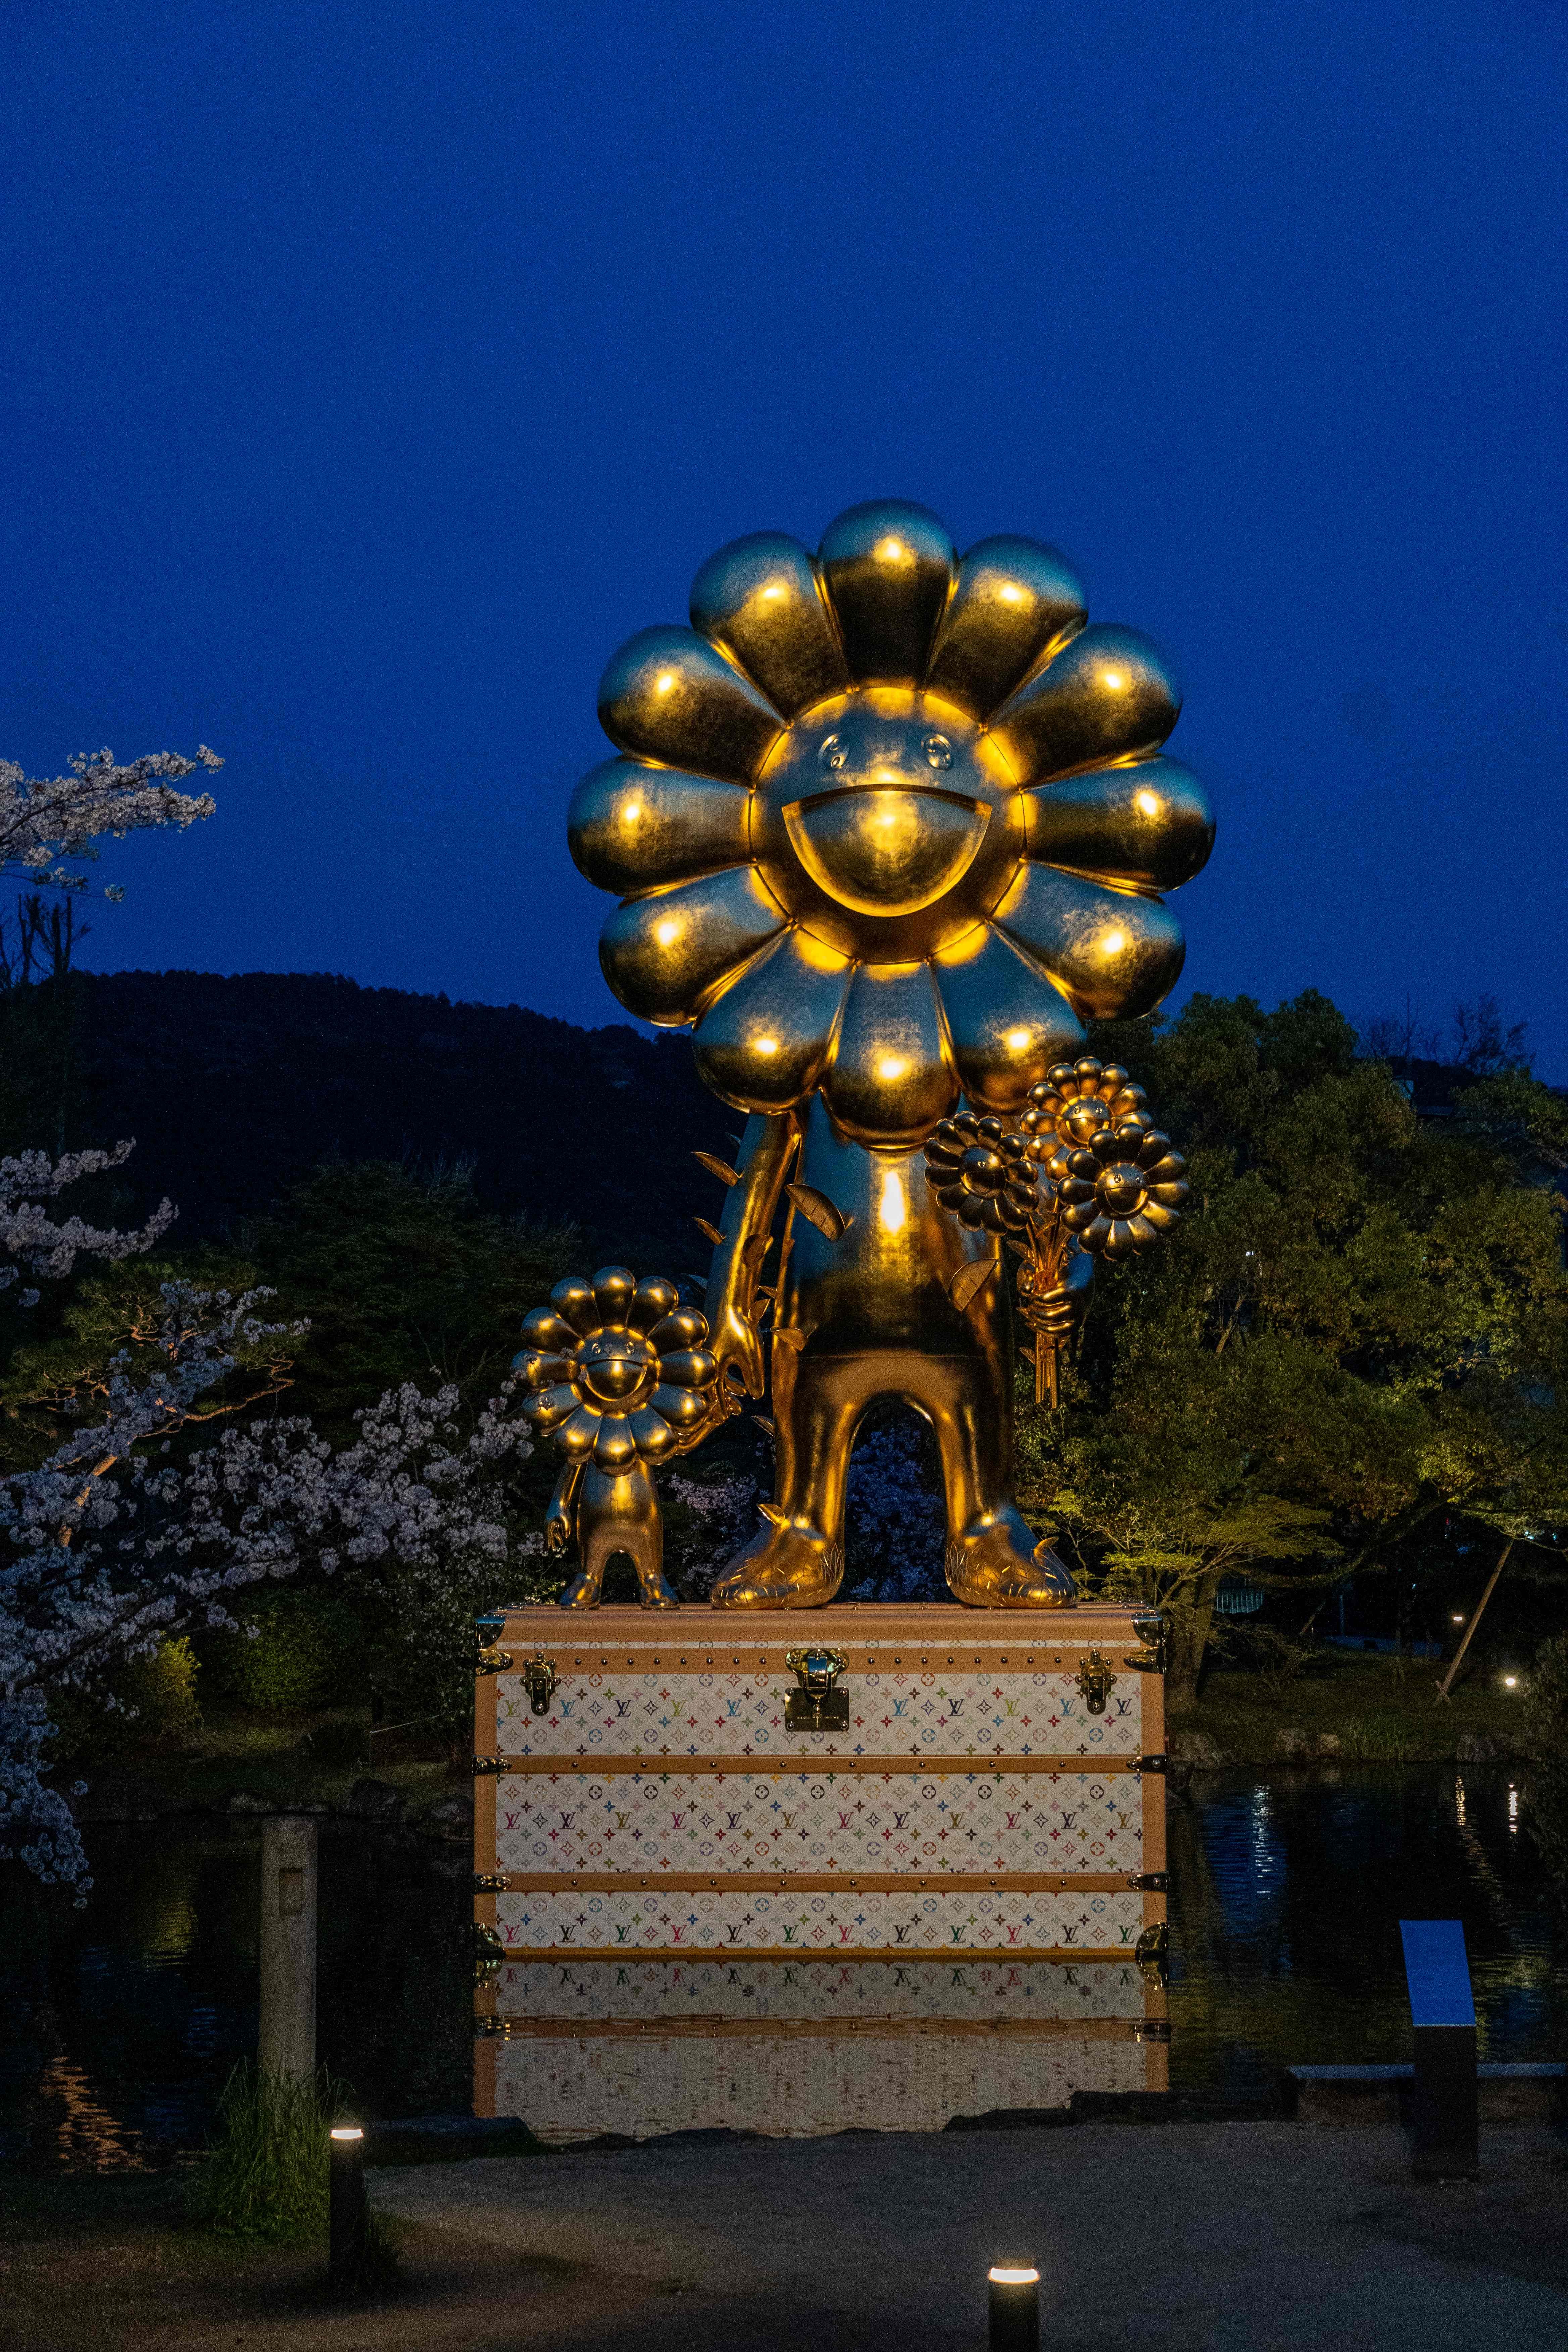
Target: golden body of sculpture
column 886, row 827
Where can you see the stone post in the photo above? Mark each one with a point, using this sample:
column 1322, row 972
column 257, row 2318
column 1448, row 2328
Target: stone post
column 288, row 2039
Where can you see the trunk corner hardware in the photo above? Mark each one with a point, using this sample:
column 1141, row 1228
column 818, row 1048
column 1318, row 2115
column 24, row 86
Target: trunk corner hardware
column 1151, row 1627
column 1152, row 1954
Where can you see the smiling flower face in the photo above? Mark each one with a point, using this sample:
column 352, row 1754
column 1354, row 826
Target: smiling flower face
column 617, row 1369
column 887, row 823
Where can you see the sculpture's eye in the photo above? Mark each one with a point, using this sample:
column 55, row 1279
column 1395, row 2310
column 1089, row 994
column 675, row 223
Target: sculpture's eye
column 937, row 751
column 833, row 754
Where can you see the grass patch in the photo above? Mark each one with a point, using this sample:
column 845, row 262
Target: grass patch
column 1380, row 1709
column 265, row 2176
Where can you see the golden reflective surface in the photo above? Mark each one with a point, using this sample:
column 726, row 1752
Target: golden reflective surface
column 619, row 1377
column 889, row 826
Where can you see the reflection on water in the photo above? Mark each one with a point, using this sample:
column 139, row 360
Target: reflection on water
column 790, row 2048
column 118, row 2024
column 1285, row 1896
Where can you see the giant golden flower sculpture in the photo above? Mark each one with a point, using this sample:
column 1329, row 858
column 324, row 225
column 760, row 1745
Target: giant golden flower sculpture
column 888, row 822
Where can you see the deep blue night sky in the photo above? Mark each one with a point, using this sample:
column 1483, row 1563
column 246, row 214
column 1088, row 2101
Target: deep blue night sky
column 371, row 372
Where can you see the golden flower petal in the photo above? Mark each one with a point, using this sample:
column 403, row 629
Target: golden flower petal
column 888, row 1080
column 665, row 955
column 544, row 1330
column 759, row 599
column 657, row 1299
column 631, row 827
column 1108, row 695
column 668, row 696
column 580, row 1434
column 1015, row 600
column 615, row 1445
column 1006, row 1021
column 573, row 1299
column 552, row 1406
column 1150, row 824
column 763, row 1044
column 886, row 567
column 687, row 1367
column 614, row 1287
column 1114, row 954
column 682, row 1408
column 652, row 1435
column 682, row 1328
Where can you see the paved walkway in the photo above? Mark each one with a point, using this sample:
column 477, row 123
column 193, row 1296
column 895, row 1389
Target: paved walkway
column 1245, row 2237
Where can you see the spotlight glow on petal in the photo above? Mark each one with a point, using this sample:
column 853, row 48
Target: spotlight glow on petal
column 892, row 1065
column 1017, row 1040
column 1148, row 804
column 666, row 932
column 893, row 1209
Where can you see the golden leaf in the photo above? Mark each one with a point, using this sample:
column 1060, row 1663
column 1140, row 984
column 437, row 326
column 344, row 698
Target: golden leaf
column 720, row 1168
column 819, row 1210
column 970, row 1281
column 714, row 1236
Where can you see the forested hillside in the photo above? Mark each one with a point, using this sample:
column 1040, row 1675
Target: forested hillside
column 236, row 1089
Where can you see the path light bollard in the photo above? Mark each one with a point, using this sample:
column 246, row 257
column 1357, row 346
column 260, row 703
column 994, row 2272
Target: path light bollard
column 1015, row 2294
column 1443, row 2137
column 286, row 2042
column 348, row 2212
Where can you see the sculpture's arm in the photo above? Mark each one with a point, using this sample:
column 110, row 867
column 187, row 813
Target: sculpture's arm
column 558, row 1526
column 767, row 1149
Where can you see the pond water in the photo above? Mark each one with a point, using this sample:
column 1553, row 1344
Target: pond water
column 119, row 2022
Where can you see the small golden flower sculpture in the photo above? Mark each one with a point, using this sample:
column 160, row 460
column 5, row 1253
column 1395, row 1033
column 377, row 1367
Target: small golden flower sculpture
column 1113, row 1184
column 982, row 1175
column 1125, row 1192
column 889, row 822
column 619, row 1370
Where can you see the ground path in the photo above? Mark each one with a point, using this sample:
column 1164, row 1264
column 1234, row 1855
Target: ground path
column 1274, row 2237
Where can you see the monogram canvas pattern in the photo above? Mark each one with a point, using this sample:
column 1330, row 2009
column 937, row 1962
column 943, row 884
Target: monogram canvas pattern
column 921, row 1823
column 957, row 1712
column 665, row 1918
column 1013, row 1992
column 788, row 2085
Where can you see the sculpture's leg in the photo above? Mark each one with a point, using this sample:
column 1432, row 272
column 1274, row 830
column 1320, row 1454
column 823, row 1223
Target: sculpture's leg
column 619, row 1511
column 796, row 1559
column 993, row 1560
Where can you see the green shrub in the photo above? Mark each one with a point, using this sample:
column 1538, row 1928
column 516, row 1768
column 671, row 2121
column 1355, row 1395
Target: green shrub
column 268, row 2176
column 156, row 1708
column 305, row 1651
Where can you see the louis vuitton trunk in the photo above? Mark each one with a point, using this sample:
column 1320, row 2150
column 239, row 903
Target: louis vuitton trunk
column 858, row 1783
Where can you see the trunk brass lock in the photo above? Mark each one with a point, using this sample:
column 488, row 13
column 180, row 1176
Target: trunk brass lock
column 817, row 1706
column 538, row 1680
column 494, row 1660
column 1096, row 1680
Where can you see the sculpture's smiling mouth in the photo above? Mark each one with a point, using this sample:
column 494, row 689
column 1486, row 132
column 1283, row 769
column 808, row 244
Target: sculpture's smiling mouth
column 887, row 849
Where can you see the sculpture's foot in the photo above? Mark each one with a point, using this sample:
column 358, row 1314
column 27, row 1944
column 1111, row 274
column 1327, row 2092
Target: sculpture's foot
column 583, row 1592
column 786, row 1566
column 996, row 1564
column 655, row 1593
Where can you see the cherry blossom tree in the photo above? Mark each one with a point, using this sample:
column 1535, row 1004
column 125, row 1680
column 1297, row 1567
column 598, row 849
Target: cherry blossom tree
column 48, row 825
